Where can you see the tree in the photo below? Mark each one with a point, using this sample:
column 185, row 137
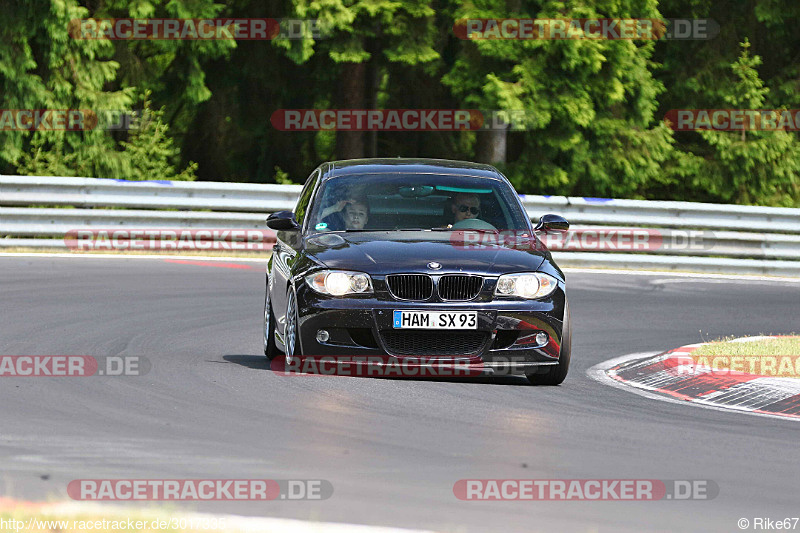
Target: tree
column 148, row 154
column 757, row 167
column 590, row 104
column 42, row 67
column 364, row 36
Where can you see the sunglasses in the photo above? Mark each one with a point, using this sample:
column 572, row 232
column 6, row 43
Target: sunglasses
column 465, row 208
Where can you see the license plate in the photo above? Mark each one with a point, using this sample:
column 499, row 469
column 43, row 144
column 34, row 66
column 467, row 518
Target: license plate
column 435, row 320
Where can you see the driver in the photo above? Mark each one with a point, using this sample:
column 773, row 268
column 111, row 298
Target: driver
column 465, row 206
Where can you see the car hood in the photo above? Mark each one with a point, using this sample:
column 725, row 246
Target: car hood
column 385, row 252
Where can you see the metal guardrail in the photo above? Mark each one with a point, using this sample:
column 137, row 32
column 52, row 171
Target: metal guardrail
column 690, row 215
column 721, row 265
column 763, row 240
column 247, row 197
column 44, row 222
column 93, row 192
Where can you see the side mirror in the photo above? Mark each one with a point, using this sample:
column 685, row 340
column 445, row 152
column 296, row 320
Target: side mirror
column 282, row 220
column 550, row 223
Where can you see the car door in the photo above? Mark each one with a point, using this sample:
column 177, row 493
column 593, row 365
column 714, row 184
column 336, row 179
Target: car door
column 285, row 252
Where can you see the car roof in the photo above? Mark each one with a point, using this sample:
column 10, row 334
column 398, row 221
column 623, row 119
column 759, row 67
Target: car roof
column 408, row 166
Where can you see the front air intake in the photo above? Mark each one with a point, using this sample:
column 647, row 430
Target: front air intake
column 459, row 287
column 414, row 287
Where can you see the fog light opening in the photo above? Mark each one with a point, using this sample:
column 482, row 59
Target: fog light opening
column 323, row 336
column 542, row 338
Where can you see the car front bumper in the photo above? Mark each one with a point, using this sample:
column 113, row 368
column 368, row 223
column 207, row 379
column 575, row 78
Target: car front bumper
column 357, row 327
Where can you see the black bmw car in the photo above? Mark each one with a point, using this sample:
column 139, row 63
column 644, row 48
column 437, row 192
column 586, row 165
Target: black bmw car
column 412, row 258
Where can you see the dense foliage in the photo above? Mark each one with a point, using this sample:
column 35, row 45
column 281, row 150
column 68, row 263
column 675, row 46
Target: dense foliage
column 595, row 108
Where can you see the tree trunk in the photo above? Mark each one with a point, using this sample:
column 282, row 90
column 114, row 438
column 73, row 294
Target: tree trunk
column 373, row 81
column 491, row 146
column 350, row 144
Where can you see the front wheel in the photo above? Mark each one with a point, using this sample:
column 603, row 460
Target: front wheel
column 291, row 337
column 555, row 374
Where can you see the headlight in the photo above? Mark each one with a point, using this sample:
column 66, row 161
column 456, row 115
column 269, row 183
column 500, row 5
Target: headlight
column 528, row 286
column 339, row 282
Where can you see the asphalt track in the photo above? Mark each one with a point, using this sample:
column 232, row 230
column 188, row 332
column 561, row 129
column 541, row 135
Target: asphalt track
column 211, row 408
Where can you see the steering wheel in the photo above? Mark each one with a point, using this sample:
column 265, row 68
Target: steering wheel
column 473, row 223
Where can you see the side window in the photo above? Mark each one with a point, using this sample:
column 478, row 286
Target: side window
column 305, row 197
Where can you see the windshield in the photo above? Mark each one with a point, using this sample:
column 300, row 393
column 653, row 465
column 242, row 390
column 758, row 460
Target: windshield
column 374, row 202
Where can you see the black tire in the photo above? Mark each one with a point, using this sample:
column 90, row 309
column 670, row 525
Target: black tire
column 270, row 349
column 291, row 338
column 555, row 374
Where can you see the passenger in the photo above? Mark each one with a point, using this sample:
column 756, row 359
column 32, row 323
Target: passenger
column 353, row 213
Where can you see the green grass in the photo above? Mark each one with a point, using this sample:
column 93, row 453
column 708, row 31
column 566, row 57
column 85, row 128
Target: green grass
column 780, row 346
column 767, row 357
